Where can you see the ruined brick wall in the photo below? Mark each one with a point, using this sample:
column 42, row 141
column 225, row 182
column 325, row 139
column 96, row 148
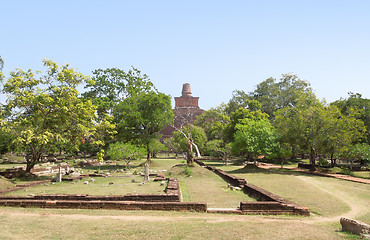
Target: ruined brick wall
column 121, row 205
column 268, row 203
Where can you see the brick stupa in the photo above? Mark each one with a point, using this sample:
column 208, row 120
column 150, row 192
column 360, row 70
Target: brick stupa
column 186, row 110
column 186, row 100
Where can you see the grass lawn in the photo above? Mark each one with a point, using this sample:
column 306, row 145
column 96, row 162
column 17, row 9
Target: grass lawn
column 362, row 174
column 205, row 186
column 5, row 184
column 101, row 186
column 104, row 224
column 327, row 197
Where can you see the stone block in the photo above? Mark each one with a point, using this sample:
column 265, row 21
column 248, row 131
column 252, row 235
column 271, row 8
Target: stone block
column 354, row 226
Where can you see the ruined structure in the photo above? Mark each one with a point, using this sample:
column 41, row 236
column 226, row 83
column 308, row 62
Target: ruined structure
column 186, row 110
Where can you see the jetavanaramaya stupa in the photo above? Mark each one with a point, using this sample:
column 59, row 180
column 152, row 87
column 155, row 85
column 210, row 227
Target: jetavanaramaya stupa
column 186, row 110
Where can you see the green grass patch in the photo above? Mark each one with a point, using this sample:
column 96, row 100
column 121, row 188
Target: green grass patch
column 205, row 186
column 101, row 186
column 103, row 224
column 362, row 174
column 5, row 184
column 323, row 196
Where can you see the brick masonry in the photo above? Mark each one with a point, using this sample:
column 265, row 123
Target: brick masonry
column 268, row 203
column 121, row 205
column 171, row 201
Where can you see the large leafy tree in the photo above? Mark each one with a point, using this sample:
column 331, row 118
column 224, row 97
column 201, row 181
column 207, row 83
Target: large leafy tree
column 190, row 136
column 125, row 151
column 112, row 85
column 254, row 137
column 214, row 122
column 43, row 110
column 142, row 116
column 274, row 95
column 237, row 117
column 355, row 102
column 313, row 127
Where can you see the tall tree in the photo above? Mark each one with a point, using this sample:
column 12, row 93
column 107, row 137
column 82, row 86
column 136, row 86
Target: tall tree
column 236, row 118
column 125, row 151
column 355, row 102
column 214, row 122
column 142, row 116
column 313, row 127
column 45, row 109
column 275, row 95
column 254, row 137
column 112, row 85
column 188, row 137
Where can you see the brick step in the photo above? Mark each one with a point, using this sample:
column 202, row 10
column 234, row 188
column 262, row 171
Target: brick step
column 268, row 212
column 224, row 210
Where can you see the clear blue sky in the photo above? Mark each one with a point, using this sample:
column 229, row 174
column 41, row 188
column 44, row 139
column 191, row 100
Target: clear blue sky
column 216, row 46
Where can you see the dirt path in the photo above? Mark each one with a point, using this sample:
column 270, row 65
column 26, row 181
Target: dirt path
column 338, row 176
column 355, row 208
column 210, row 218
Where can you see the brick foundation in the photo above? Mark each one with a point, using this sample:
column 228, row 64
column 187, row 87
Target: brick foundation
column 268, row 203
column 121, row 205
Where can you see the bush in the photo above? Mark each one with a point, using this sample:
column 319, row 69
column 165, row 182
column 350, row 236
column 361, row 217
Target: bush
column 188, row 171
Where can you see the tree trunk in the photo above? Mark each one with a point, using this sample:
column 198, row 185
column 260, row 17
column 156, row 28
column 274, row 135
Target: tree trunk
column 332, row 160
column 313, row 157
column 189, row 155
column 148, row 155
column 30, row 164
column 196, row 148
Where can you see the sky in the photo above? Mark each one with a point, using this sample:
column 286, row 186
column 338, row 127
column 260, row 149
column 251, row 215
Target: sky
column 216, row 46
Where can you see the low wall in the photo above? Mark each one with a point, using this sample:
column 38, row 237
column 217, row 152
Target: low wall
column 268, row 203
column 173, row 194
column 121, row 205
column 273, row 208
column 85, row 197
column 227, row 177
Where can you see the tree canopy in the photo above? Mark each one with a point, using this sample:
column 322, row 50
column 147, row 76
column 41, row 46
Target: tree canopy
column 43, row 110
column 141, row 117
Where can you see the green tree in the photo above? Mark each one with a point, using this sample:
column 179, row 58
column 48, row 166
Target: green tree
column 111, row 86
column 188, row 137
column 125, row 151
column 218, row 148
column 214, row 122
column 142, row 116
column 171, row 145
column 312, row 126
column 342, row 131
column 357, row 152
column 237, row 117
column 254, row 137
column 156, row 147
column 103, row 135
column 240, row 99
column 355, row 102
column 303, row 126
column 276, row 95
column 45, row 110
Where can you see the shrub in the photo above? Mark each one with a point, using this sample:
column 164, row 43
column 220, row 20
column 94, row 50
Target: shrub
column 188, row 171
